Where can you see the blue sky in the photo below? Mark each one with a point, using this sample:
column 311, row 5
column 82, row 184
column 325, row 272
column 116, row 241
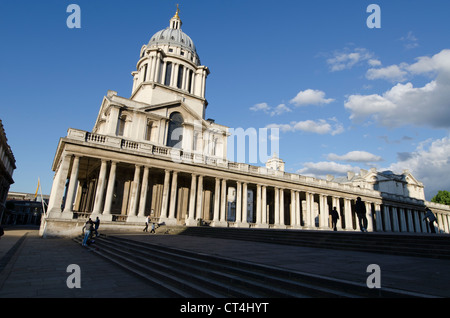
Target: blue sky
column 343, row 95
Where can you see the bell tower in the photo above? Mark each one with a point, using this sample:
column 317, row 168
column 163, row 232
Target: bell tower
column 169, row 70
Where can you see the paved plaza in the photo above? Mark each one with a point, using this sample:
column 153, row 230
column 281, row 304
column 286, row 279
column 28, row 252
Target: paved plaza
column 38, row 267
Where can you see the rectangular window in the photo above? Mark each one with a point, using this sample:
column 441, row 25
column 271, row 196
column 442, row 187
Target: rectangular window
column 180, row 77
column 168, row 73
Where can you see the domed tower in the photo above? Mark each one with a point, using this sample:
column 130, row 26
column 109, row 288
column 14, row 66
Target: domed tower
column 169, row 70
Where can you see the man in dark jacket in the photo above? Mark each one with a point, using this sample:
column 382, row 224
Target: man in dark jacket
column 360, row 209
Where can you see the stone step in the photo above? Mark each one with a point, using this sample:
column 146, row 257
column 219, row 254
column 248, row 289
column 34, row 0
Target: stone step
column 432, row 246
column 190, row 274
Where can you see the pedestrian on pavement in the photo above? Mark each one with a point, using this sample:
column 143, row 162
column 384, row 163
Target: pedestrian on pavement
column 153, row 228
column 431, row 219
column 360, row 208
column 88, row 227
column 96, row 226
column 147, row 221
column 334, row 218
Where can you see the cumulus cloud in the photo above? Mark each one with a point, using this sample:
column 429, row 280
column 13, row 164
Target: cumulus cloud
column 320, row 126
column 390, row 73
column 278, row 110
column 310, row 97
column 346, row 59
column 405, row 104
column 429, row 163
column 323, row 168
column 410, row 41
column 355, row 156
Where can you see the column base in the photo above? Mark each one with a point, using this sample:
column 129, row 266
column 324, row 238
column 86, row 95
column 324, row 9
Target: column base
column 135, row 219
column 219, row 224
column 191, row 222
column 168, row 221
column 105, row 217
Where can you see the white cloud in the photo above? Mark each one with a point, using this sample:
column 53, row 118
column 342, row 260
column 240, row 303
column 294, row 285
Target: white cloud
column 410, row 41
column 405, row 104
column 346, row 59
column 322, row 168
column 320, row 126
column 429, row 163
column 260, row 106
column 391, row 73
column 355, row 156
column 278, row 110
column 310, row 97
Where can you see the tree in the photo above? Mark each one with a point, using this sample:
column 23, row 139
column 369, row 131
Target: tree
column 442, row 197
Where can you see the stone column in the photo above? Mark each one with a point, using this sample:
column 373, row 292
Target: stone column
column 403, row 226
column 216, row 202
column 277, row 206
column 348, row 215
column 68, row 208
column 109, row 192
column 264, row 221
column 223, row 203
column 387, row 219
column 135, row 185
column 144, row 188
column 59, row 183
column 173, row 199
column 199, row 197
column 98, row 203
column 192, row 194
column 417, row 222
column 258, row 205
column 282, row 207
column 308, row 213
column 165, row 197
column 292, row 210
column 409, row 217
column 395, row 225
column 244, row 204
column 369, row 216
column 323, row 223
column 379, row 220
column 238, row 202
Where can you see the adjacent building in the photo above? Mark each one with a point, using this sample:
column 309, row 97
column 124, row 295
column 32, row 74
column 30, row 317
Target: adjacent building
column 7, row 167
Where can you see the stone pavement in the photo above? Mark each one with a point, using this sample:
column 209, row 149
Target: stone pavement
column 38, row 268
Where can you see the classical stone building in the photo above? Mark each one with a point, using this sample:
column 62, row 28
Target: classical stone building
column 7, row 166
column 155, row 154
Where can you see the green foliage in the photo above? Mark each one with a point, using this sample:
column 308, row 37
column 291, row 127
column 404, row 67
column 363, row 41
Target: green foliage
column 442, row 197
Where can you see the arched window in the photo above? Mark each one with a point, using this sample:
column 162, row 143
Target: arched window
column 175, row 132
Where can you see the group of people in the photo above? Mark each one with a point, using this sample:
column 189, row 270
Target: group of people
column 90, row 228
column 360, row 209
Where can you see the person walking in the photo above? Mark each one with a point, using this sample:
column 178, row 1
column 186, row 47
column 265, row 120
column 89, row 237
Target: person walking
column 88, row 227
column 360, row 209
column 96, row 226
column 153, row 228
column 431, row 219
column 334, row 218
column 147, row 221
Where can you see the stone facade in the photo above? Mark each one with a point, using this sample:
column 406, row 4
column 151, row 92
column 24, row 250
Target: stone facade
column 155, row 154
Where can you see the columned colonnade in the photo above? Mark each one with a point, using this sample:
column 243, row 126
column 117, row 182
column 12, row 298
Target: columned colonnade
column 119, row 191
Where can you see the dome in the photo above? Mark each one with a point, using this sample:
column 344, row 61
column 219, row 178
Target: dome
column 173, row 37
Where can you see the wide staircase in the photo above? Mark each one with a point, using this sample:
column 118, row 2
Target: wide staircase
column 421, row 245
column 197, row 275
